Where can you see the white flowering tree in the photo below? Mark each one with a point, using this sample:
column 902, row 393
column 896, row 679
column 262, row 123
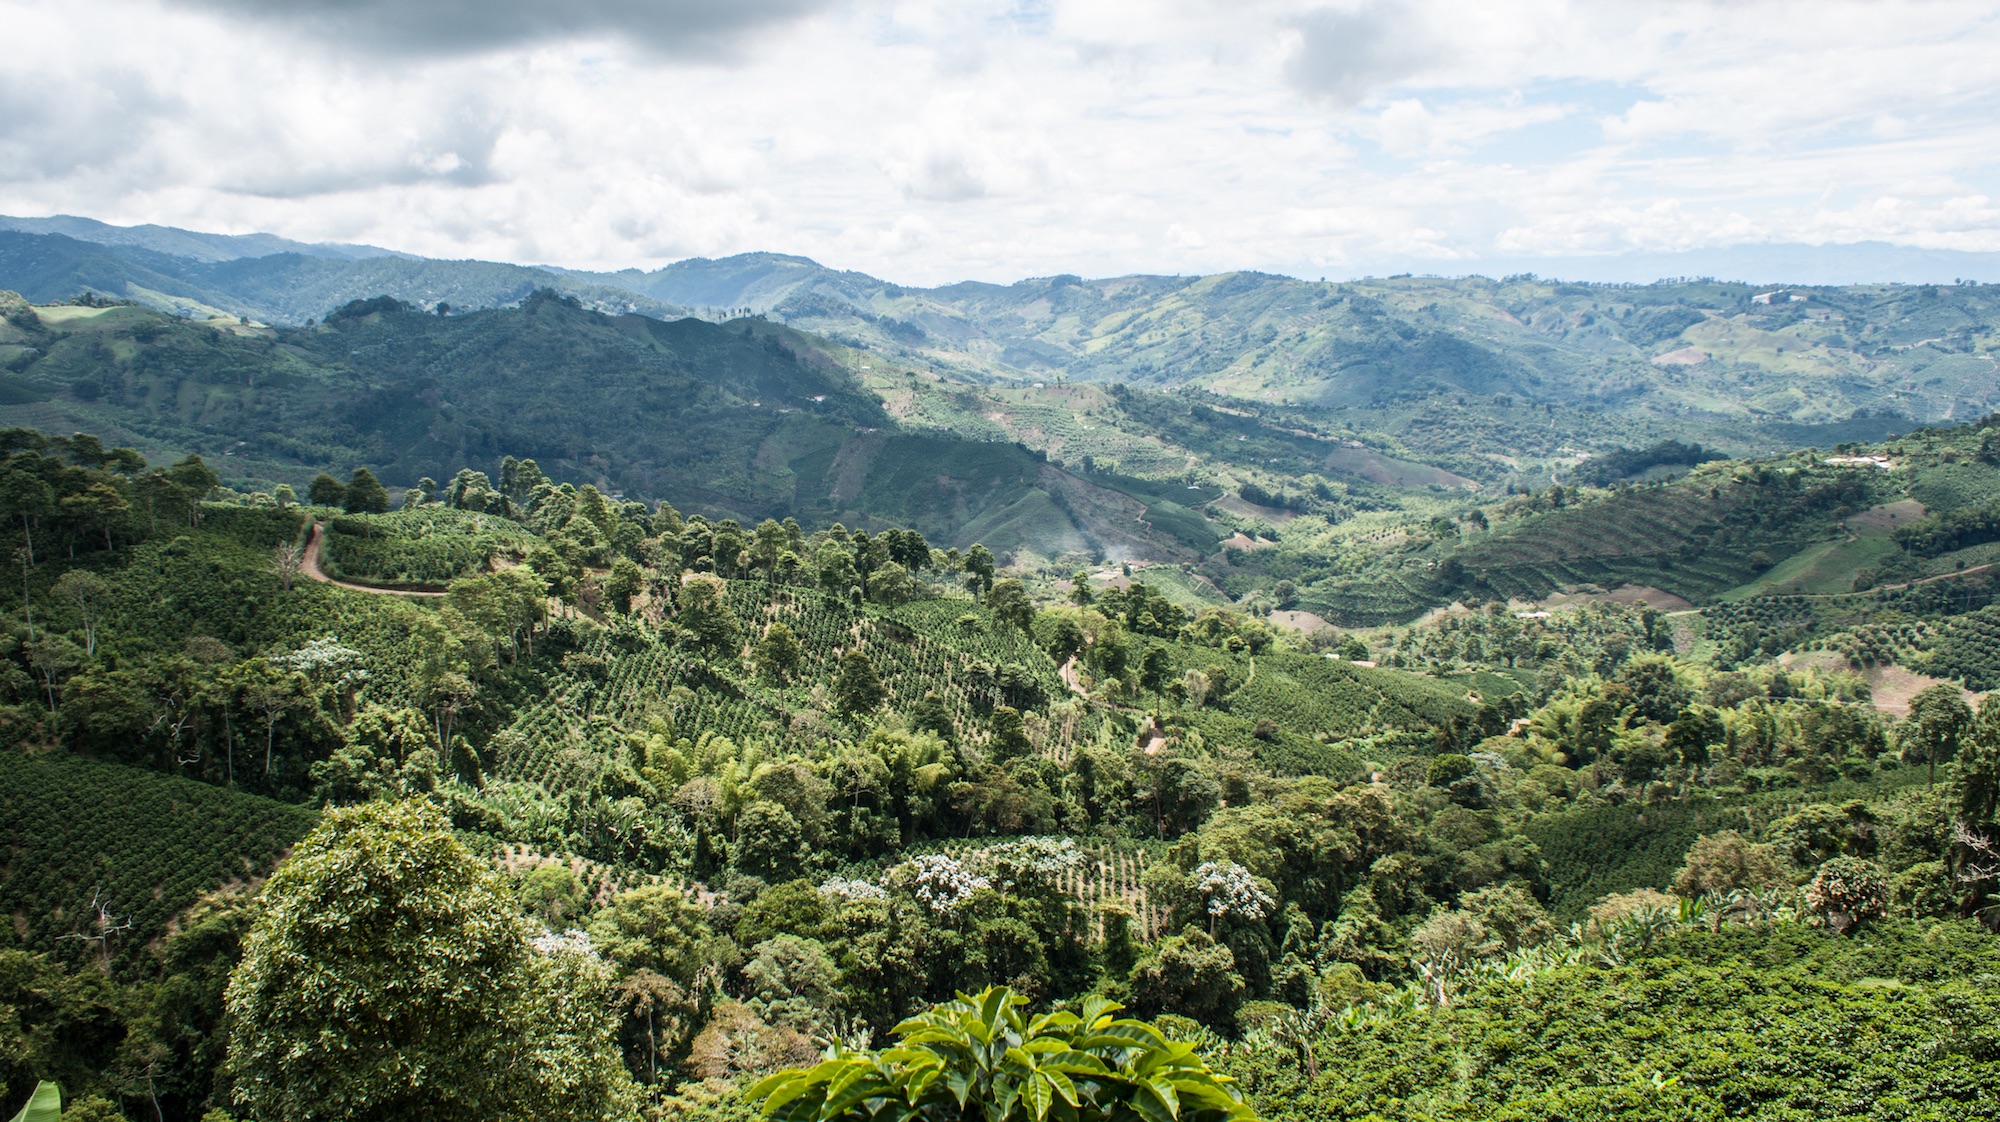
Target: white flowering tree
column 941, row 882
column 844, row 889
column 1031, row 864
column 1231, row 891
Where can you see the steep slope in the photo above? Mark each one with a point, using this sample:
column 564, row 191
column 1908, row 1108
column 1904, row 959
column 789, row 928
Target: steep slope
column 749, row 419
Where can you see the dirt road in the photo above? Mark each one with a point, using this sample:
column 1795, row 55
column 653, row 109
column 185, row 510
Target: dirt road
column 310, row 567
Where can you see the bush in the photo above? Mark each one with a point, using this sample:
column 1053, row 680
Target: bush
column 1846, row 891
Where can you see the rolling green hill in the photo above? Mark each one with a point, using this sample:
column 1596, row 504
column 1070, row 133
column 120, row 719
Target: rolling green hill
column 1491, row 379
column 782, row 783
column 749, row 420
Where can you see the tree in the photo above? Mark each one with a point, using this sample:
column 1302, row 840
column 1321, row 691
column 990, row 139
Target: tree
column 778, row 655
column 625, row 582
column 980, row 1057
column 88, row 592
column 1847, row 890
column 193, row 479
column 654, row 927
column 98, row 502
column 364, row 494
column 891, row 584
column 1727, row 861
column 272, row 692
column 24, row 496
column 1155, row 670
column 1008, row 733
column 833, row 569
column 704, row 613
column 1079, row 588
column 325, row 490
column 392, row 976
column 858, row 689
column 287, row 562
column 979, row 566
column 1190, row 974
column 1008, row 600
column 1938, row 719
column 52, row 657
column 1976, row 793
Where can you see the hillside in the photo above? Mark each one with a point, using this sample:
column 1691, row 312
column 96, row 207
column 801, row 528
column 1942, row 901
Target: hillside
column 285, row 284
column 1506, row 378
column 782, row 783
column 1821, row 523
column 748, row 420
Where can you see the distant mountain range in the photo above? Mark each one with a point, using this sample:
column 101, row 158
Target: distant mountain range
column 190, row 244
column 1237, row 379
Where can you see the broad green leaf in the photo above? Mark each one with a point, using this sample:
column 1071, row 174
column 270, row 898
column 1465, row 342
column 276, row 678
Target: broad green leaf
column 1152, row 1105
column 1037, row 1096
column 1062, row 1085
column 45, row 1105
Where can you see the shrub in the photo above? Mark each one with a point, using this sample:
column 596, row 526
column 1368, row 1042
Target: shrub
column 1847, row 890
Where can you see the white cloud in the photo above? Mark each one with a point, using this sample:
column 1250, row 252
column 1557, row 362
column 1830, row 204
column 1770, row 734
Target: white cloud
column 926, row 140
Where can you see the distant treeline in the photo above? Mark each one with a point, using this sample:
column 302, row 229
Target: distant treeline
column 1957, row 530
column 1624, row 463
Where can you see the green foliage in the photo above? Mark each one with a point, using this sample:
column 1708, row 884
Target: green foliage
column 1847, row 891
column 364, row 494
column 428, row 546
column 390, row 975
column 1594, row 852
column 138, row 845
column 1777, row 1021
column 326, row 491
column 45, row 1105
column 981, row 1054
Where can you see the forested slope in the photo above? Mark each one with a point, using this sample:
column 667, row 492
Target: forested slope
column 772, row 784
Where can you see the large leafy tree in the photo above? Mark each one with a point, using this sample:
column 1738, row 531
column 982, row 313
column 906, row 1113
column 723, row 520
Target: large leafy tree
column 392, row 976
column 982, row 1058
column 1939, row 719
column 365, row 494
column 858, row 689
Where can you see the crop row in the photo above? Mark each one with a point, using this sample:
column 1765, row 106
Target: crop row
column 143, row 845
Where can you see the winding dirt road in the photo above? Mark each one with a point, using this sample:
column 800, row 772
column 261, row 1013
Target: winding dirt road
column 310, row 567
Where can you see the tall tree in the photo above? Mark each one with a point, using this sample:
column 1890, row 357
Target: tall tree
column 88, row 592
column 365, row 494
column 195, row 480
column 1008, row 600
column 325, row 490
column 858, row 689
column 1939, row 719
column 979, row 566
column 778, row 654
column 391, row 975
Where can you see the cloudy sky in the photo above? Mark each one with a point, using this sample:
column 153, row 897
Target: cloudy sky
column 935, row 140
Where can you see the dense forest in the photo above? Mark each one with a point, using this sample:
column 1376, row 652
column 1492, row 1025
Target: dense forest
column 504, row 796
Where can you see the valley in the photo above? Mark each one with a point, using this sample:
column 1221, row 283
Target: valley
column 1380, row 688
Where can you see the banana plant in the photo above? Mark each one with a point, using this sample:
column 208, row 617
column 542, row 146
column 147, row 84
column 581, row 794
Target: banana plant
column 980, row 1058
column 45, row 1105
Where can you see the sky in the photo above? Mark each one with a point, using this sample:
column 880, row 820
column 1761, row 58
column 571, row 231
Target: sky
column 929, row 141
